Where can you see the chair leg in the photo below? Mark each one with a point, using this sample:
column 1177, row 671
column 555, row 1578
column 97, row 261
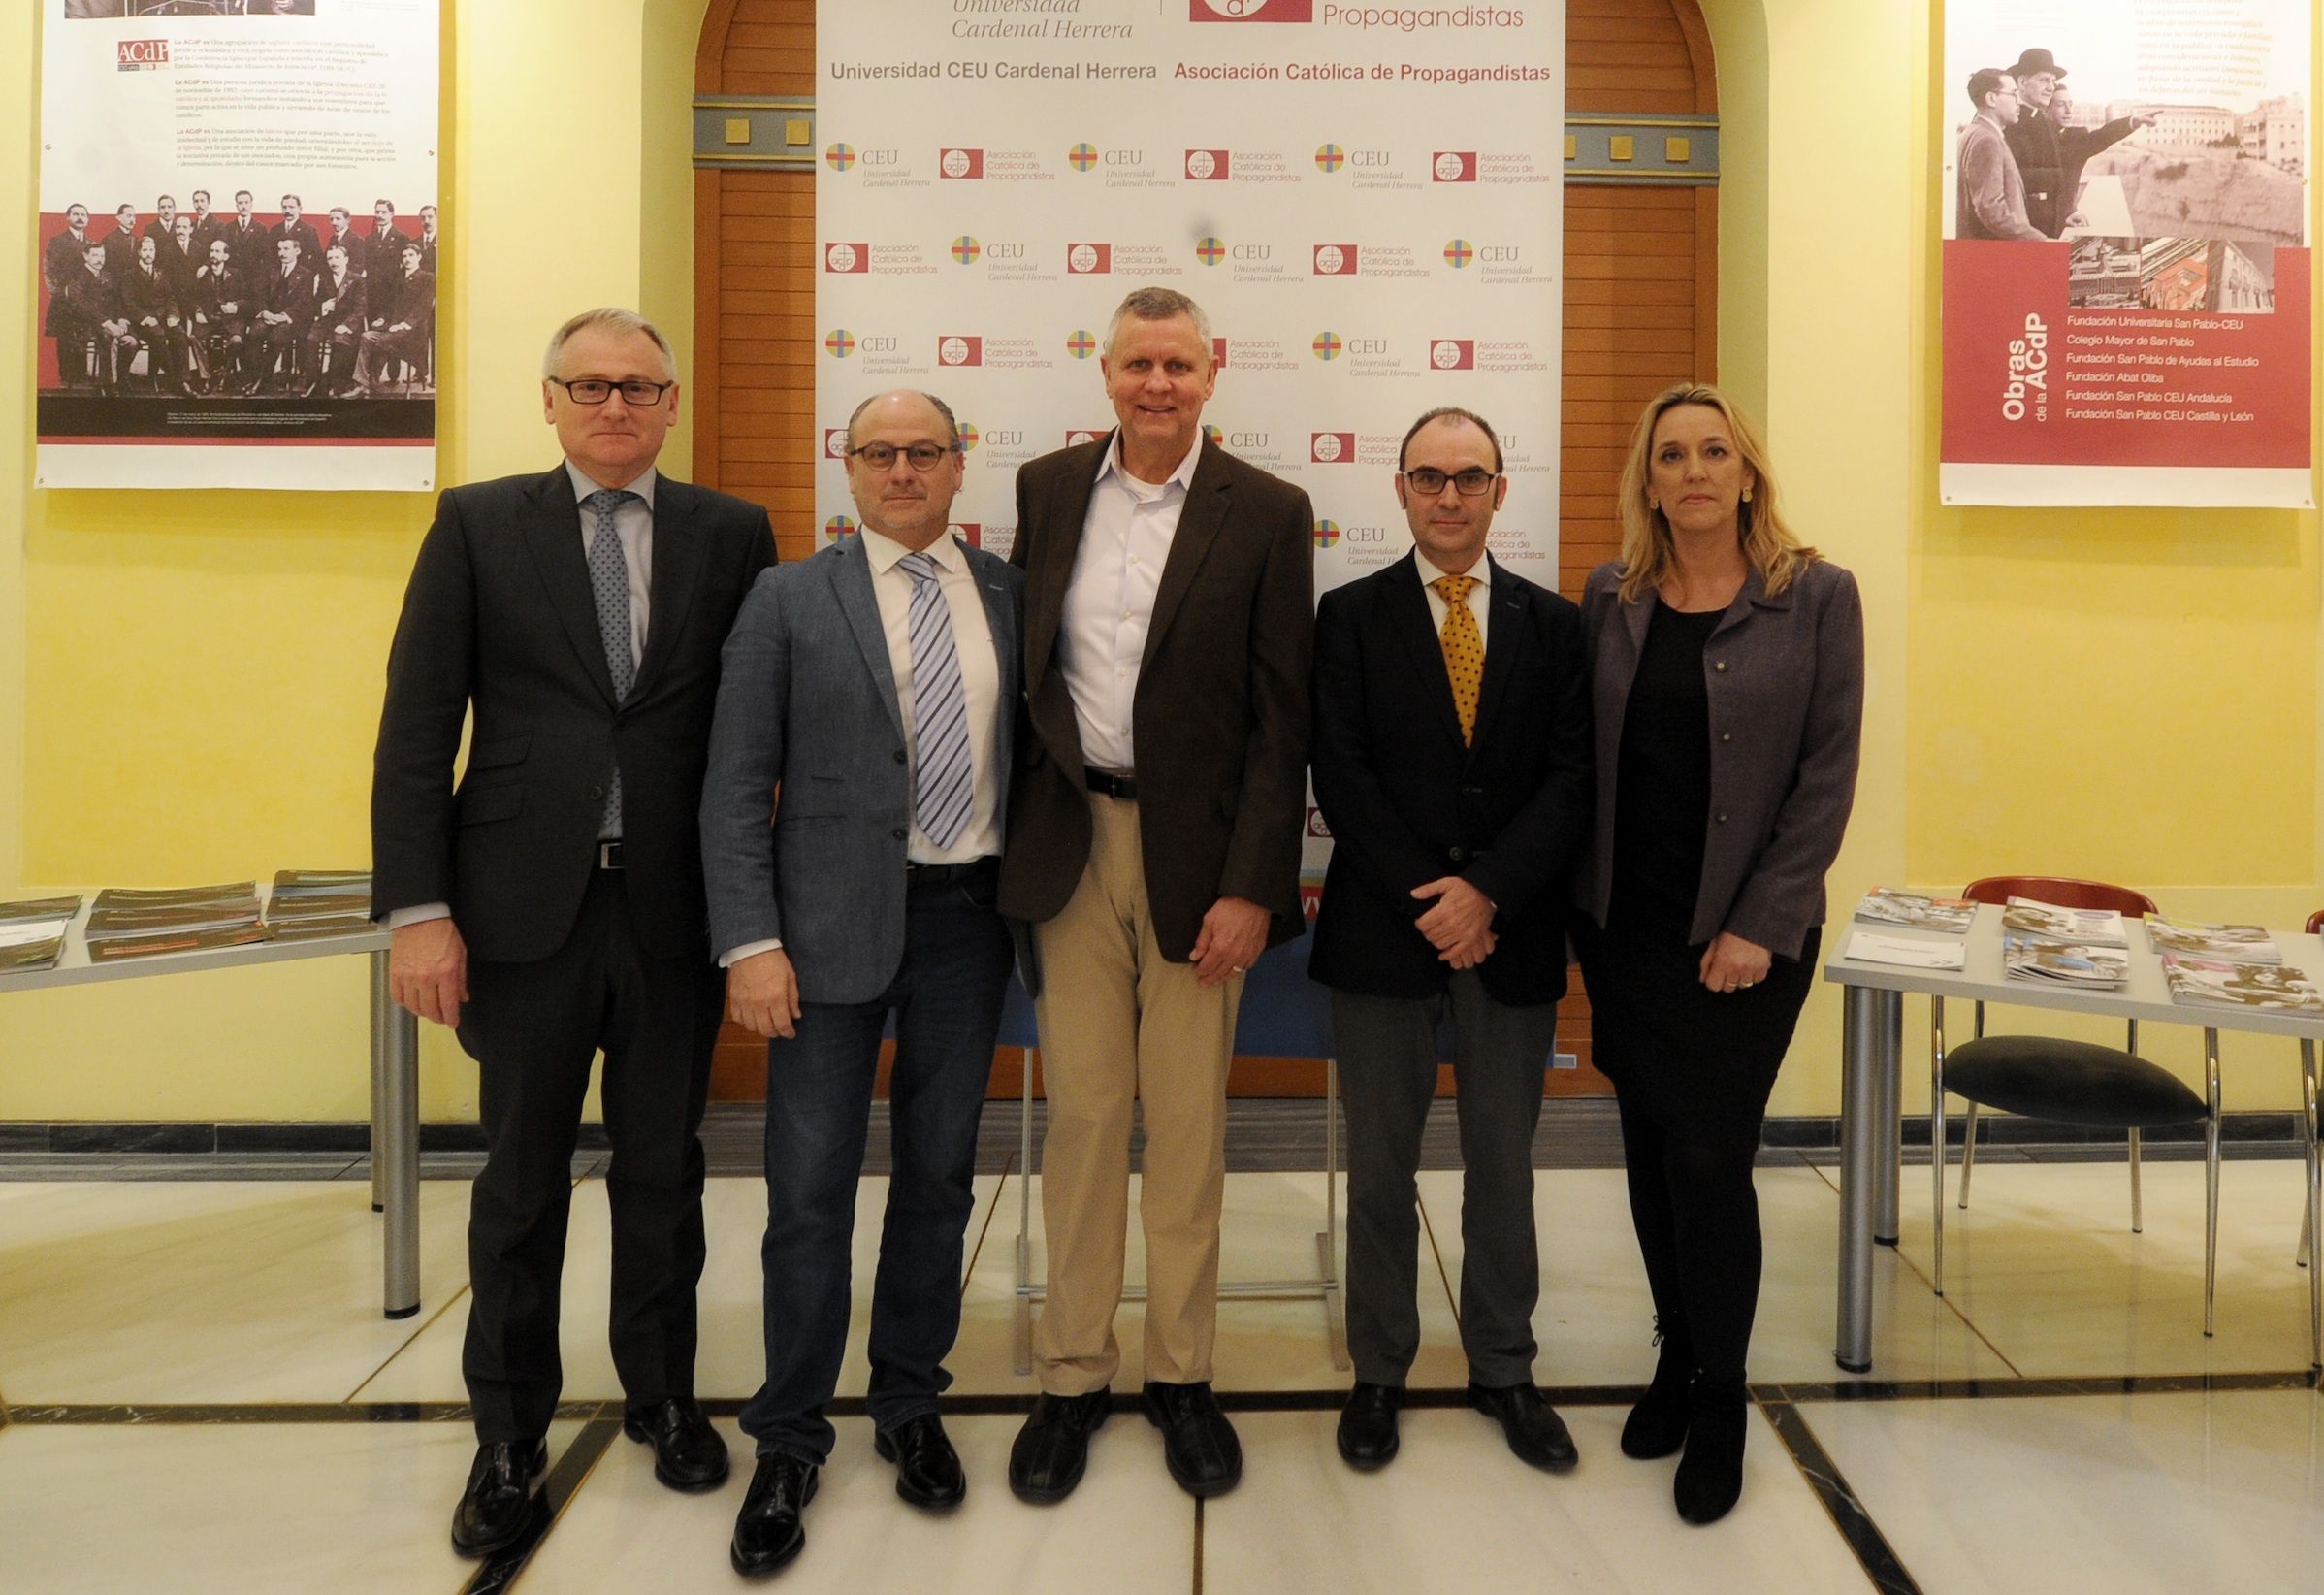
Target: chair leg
column 2211, row 1180
column 1936, row 1138
column 2138, row 1210
column 1968, row 1154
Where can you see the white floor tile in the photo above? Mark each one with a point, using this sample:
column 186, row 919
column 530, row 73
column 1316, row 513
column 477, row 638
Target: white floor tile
column 1455, row 1512
column 2043, row 1263
column 195, row 1291
column 1596, row 1320
column 2163, row 1493
column 1127, row 1530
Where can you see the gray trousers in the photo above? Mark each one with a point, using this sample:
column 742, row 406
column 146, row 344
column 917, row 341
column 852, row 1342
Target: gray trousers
column 1387, row 1050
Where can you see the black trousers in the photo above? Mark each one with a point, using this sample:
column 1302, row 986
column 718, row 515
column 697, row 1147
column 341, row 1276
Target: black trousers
column 1388, row 1077
column 534, row 1028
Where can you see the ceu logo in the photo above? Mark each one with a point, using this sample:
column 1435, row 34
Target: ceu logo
column 1330, row 159
column 1327, row 345
column 1212, row 434
column 840, row 157
column 1334, row 260
column 1081, row 156
column 1453, row 353
column 1207, row 165
column 838, row 527
column 1332, row 447
column 957, row 350
column 1458, row 254
column 1251, row 11
column 968, row 438
column 1082, row 344
column 1082, row 259
column 1211, row 251
column 965, row 250
column 835, row 442
column 1453, row 166
column 847, row 257
column 840, row 342
column 961, row 163
column 1327, row 532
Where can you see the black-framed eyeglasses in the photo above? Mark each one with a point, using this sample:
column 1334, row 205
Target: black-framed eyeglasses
column 923, row 456
column 1428, row 482
column 595, row 390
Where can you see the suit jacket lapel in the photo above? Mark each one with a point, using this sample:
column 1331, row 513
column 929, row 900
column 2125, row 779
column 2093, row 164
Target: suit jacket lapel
column 992, row 586
column 553, row 533
column 1504, row 639
column 670, row 584
column 1412, row 620
column 851, row 586
column 1045, row 587
column 1205, row 514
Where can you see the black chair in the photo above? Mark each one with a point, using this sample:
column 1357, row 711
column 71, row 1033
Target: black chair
column 2068, row 1082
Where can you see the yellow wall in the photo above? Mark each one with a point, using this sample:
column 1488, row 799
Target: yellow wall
column 189, row 685
column 156, row 723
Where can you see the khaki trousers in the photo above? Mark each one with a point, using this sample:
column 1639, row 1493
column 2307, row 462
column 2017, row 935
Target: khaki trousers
column 1118, row 1021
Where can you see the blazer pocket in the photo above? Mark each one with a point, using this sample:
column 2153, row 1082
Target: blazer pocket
column 476, row 806
column 498, row 752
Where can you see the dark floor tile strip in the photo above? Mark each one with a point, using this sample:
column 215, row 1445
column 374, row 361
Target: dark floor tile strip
column 1971, row 1390
column 500, row 1570
column 1873, row 1553
column 63, row 1413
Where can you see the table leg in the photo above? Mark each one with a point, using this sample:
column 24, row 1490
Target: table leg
column 395, row 1146
column 1887, row 1115
column 1871, row 1042
column 383, row 1005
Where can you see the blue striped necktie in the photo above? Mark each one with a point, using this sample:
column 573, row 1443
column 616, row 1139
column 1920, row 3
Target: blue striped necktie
column 609, row 582
column 942, row 781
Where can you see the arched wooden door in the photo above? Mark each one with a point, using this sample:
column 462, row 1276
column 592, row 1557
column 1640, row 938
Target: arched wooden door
column 1641, row 295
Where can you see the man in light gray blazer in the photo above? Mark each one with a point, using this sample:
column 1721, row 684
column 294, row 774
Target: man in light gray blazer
column 876, row 686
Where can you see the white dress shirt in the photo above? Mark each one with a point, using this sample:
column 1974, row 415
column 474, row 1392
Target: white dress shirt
column 1110, row 599
column 980, row 681
column 1477, row 600
column 633, row 524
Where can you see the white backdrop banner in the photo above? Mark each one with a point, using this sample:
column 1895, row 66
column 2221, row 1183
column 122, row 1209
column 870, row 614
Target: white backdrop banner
column 217, row 132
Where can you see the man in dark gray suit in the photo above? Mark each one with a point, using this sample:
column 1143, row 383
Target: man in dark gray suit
column 551, row 905
column 876, row 684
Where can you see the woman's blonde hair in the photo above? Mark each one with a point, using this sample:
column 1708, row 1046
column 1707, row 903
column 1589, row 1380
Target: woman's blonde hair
column 1774, row 551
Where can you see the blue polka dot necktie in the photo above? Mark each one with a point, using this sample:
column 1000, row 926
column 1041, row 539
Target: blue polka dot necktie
column 610, row 581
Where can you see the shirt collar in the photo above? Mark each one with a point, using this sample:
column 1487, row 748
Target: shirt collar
column 583, row 487
column 885, row 551
column 1482, row 569
column 1182, row 479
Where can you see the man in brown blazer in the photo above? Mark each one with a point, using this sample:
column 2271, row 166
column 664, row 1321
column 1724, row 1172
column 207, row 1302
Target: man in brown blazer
column 1153, row 846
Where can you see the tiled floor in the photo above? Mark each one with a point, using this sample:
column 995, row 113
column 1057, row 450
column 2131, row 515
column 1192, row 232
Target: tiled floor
column 202, row 1396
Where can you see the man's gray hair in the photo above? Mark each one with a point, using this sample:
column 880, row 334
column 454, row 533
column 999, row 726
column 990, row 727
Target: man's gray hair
column 611, row 317
column 1158, row 304
column 951, row 426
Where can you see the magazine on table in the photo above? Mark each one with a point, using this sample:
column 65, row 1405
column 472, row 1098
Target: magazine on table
column 32, row 932
column 306, row 903
column 2079, row 965
column 131, row 922
column 1886, row 905
column 2199, row 938
column 2090, row 926
column 1905, row 951
column 2220, row 983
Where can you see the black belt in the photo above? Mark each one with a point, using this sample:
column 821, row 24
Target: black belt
column 918, row 874
column 1111, row 783
column 609, row 853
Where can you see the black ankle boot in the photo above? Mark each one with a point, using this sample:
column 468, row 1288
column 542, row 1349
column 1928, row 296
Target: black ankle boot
column 1657, row 1424
column 1710, row 1476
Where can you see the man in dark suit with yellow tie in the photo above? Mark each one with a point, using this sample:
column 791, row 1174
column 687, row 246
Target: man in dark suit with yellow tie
column 552, row 904
column 1452, row 764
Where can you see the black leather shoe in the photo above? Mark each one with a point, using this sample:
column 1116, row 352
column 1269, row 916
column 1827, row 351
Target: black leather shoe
column 1052, row 1449
column 927, row 1470
column 1535, row 1432
column 1657, row 1424
column 1710, row 1476
column 1367, row 1425
column 497, row 1505
column 767, row 1533
column 1198, row 1443
column 688, row 1452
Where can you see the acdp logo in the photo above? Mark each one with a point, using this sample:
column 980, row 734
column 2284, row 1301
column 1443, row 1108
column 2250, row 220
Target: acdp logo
column 847, row 257
column 1334, row 260
column 1453, row 166
column 961, row 163
column 835, row 442
column 1207, row 165
column 1453, row 353
column 840, row 157
column 1315, row 826
column 971, row 533
column 957, row 350
column 1251, row 11
column 1086, row 260
column 141, row 54
column 1332, row 447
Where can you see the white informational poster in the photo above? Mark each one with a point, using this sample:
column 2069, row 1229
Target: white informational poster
column 237, row 240
column 1364, row 199
column 2125, row 199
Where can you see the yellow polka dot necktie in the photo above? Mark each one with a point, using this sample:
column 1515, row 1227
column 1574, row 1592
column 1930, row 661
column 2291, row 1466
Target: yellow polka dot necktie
column 1464, row 650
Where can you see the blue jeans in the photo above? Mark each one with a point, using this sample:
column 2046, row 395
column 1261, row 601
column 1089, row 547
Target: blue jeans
column 947, row 1000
